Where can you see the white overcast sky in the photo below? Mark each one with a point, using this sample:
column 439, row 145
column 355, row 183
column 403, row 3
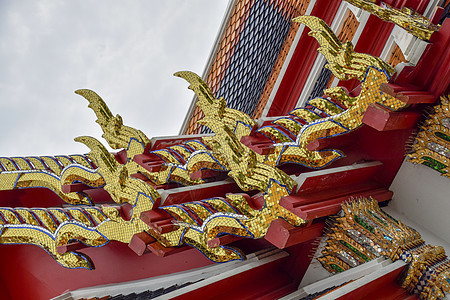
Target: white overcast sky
column 126, row 51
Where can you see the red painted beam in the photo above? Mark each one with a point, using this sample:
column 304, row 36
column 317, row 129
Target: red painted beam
column 139, row 243
column 158, row 220
column 268, row 281
column 126, row 211
column 74, row 187
column 205, row 173
column 282, row 234
column 408, row 94
column 331, row 207
column 333, row 142
column 164, row 226
column 291, row 202
column 383, row 119
column 223, row 240
column 384, row 287
column 151, row 216
column 31, row 273
column 194, row 193
column 413, row 97
column 339, row 178
column 159, row 250
column 258, row 143
column 150, row 162
column 121, row 156
column 164, row 142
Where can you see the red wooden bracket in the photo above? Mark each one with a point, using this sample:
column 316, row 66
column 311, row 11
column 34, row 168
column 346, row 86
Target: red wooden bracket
column 159, row 250
column 164, row 142
column 383, row 119
column 121, row 156
column 205, row 173
column 151, row 216
column 260, row 144
column 150, row 162
column 126, row 211
column 74, row 187
column 393, row 89
column 223, row 240
column 139, row 242
column 158, row 220
column 332, row 206
column 291, row 202
column 413, row 97
column 204, row 191
column 139, row 176
column 344, row 176
column 164, row 226
column 333, row 142
column 407, row 94
column 282, row 234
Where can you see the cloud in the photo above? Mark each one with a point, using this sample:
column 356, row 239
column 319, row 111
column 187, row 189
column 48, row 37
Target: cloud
column 125, row 51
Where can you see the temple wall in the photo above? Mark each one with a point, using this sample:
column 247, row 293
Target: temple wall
column 422, row 196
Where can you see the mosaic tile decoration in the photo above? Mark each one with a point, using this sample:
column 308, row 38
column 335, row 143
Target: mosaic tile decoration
column 198, row 222
column 362, row 232
column 431, row 146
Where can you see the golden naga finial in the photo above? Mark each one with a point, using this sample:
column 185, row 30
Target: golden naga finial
column 93, row 226
column 229, row 125
column 248, row 172
column 114, row 132
column 342, row 60
column 344, row 64
column 408, row 19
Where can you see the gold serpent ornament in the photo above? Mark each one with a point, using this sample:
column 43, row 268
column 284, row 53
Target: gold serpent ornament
column 131, row 184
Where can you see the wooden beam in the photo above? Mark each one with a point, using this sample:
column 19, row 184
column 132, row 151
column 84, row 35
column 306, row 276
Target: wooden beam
column 259, row 143
column 206, row 173
column 282, row 234
column 331, row 207
column 159, row 250
column 74, row 187
column 150, row 162
column 139, row 242
column 291, row 202
column 158, row 220
column 341, row 176
column 383, row 119
column 333, row 142
column 223, row 240
column 196, row 192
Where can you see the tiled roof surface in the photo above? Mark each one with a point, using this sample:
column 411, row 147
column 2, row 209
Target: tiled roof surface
column 299, row 9
column 251, row 52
